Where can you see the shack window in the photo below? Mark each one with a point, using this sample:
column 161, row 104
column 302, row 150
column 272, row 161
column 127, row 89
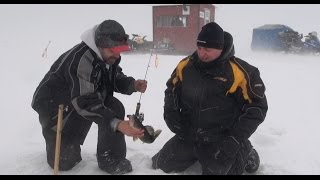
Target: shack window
column 171, row 21
column 206, row 16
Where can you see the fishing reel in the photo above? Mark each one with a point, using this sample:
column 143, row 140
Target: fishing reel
column 140, row 117
column 149, row 133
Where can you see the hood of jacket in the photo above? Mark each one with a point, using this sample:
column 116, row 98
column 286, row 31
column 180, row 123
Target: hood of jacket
column 88, row 38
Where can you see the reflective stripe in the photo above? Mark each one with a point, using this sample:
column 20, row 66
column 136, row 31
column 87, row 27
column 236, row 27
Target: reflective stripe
column 84, row 72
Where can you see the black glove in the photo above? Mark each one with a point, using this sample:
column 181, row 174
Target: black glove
column 185, row 134
column 230, row 146
column 173, row 121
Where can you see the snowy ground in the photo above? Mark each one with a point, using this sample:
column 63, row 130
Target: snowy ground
column 288, row 140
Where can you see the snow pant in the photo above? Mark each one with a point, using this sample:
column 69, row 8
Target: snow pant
column 177, row 155
column 111, row 145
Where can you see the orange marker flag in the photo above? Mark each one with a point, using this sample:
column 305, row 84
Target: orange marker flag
column 156, row 61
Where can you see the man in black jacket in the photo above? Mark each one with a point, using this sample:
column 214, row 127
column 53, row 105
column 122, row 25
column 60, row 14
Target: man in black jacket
column 214, row 102
column 84, row 79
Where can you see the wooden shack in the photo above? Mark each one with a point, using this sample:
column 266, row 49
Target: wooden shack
column 176, row 27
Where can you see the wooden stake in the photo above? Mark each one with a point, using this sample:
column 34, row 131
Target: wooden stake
column 58, row 140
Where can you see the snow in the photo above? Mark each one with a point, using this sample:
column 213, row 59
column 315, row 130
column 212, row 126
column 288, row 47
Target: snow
column 287, row 141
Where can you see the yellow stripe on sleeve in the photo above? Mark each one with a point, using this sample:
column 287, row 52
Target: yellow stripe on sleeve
column 239, row 81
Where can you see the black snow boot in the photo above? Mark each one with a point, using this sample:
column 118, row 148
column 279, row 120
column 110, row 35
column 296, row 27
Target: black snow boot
column 115, row 166
column 253, row 162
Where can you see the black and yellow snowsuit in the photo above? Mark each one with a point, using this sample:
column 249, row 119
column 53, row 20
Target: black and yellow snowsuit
column 207, row 103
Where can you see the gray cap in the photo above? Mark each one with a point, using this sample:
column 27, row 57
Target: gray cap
column 110, row 34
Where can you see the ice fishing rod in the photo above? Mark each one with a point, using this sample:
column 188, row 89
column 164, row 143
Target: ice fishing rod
column 145, row 76
column 149, row 134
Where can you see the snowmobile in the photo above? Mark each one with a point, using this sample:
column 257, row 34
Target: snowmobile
column 139, row 43
column 291, row 41
column 311, row 44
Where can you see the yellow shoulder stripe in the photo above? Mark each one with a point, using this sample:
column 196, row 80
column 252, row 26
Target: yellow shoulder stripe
column 239, row 81
column 179, row 69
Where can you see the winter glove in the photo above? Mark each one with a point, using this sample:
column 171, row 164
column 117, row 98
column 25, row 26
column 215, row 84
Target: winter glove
column 230, row 146
column 185, row 134
column 174, row 122
column 172, row 118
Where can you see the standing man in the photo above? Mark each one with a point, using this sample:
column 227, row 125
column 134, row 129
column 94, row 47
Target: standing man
column 213, row 103
column 84, row 79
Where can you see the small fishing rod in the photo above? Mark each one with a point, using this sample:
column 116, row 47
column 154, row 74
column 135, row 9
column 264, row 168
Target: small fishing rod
column 149, row 134
column 145, row 76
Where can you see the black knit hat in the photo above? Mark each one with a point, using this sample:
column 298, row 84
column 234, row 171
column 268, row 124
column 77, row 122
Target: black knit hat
column 110, row 34
column 211, row 36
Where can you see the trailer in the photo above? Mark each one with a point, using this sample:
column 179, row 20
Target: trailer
column 267, row 37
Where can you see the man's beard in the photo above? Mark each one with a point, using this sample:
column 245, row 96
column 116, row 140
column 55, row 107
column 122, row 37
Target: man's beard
column 110, row 60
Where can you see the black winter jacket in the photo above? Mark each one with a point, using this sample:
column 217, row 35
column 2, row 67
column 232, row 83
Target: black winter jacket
column 80, row 80
column 205, row 101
